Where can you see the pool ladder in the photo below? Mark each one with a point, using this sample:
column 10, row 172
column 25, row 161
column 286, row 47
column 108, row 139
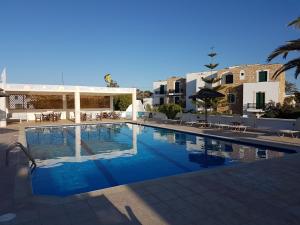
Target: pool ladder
column 24, row 149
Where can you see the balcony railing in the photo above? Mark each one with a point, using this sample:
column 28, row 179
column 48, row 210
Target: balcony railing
column 160, row 92
column 256, row 106
column 172, row 92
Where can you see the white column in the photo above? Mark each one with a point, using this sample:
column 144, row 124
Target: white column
column 64, row 99
column 3, row 100
column 3, row 112
column 77, row 106
column 111, row 101
column 134, row 110
column 77, row 142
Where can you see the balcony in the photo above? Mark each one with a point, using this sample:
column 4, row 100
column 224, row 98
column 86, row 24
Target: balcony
column 175, row 92
column 253, row 107
column 160, row 92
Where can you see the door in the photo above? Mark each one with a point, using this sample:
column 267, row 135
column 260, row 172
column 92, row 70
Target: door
column 161, row 101
column 177, row 86
column 260, row 100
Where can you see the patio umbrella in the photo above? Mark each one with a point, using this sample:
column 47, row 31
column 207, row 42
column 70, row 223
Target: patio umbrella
column 206, row 94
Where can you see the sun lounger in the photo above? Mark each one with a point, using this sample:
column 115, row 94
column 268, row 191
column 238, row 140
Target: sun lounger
column 241, row 127
column 191, row 123
column 222, row 125
column 295, row 132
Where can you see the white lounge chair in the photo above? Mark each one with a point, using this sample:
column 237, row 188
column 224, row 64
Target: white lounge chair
column 237, row 124
column 293, row 132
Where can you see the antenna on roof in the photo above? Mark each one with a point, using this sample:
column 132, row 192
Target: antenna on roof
column 62, row 78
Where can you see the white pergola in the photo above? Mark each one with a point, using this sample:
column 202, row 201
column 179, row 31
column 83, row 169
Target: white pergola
column 64, row 90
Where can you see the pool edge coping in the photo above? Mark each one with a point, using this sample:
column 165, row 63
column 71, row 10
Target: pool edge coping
column 61, row 199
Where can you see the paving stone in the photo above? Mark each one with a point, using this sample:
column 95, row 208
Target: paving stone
column 51, row 211
column 78, row 206
column 26, row 216
column 78, row 218
column 179, row 204
column 165, row 195
column 110, row 216
column 56, row 220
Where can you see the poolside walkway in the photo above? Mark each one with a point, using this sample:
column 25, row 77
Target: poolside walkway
column 263, row 192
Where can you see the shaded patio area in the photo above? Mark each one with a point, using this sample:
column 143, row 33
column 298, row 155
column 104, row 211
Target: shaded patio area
column 32, row 102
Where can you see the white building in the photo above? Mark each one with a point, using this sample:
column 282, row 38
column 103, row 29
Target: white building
column 28, row 99
column 171, row 90
column 148, row 101
column 270, row 92
column 159, row 92
column 247, row 88
column 193, row 84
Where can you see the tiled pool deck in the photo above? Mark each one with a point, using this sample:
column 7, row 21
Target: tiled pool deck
column 263, row 192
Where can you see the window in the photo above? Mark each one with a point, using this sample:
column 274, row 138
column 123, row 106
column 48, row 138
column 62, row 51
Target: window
column 262, row 76
column 177, row 100
column 229, row 79
column 231, row 98
column 242, row 75
column 162, row 89
column 177, row 85
column 16, row 97
column 161, row 101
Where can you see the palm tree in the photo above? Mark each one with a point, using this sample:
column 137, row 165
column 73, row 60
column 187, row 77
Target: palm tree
column 284, row 50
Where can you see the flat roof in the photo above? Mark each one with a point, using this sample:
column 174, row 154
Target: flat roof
column 46, row 88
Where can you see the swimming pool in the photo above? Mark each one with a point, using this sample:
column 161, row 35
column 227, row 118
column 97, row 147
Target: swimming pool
column 82, row 158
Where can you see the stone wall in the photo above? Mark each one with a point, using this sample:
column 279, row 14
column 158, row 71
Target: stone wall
column 250, row 76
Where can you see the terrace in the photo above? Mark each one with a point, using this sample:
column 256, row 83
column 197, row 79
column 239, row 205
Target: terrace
column 254, row 193
column 69, row 102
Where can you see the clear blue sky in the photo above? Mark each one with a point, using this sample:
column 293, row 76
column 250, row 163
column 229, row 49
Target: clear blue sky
column 136, row 41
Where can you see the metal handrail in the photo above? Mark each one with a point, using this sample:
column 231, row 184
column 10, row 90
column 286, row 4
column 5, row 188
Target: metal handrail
column 18, row 144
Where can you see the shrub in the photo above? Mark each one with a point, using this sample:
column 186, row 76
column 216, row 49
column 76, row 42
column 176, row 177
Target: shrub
column 148, row 108
column 285, row 111
column 122, row 102
column 170, row 110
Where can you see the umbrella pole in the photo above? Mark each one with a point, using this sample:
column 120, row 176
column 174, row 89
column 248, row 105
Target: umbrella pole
column 205, row 110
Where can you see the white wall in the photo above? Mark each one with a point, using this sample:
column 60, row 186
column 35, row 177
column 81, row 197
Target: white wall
column 271, row 90
column 148, row 101
column 156, row 88
column 193, row 83
column 3, row 100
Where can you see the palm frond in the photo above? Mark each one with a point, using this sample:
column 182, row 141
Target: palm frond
column 295, row 23
column 211, row 80
column 211, row 65
column 297, row 72
column 212, row 54
column 284, row 50
column 295, row 63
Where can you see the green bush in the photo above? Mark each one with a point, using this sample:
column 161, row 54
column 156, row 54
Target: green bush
column 148, row 108
column 284, row 111
column 170, row 110
column 122, row 102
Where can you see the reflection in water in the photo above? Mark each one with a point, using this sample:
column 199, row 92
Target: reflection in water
column 206, row 151
column 79, row 143
column 76, row 159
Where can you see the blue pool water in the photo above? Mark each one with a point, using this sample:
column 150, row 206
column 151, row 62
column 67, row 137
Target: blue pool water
column 76, row 159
